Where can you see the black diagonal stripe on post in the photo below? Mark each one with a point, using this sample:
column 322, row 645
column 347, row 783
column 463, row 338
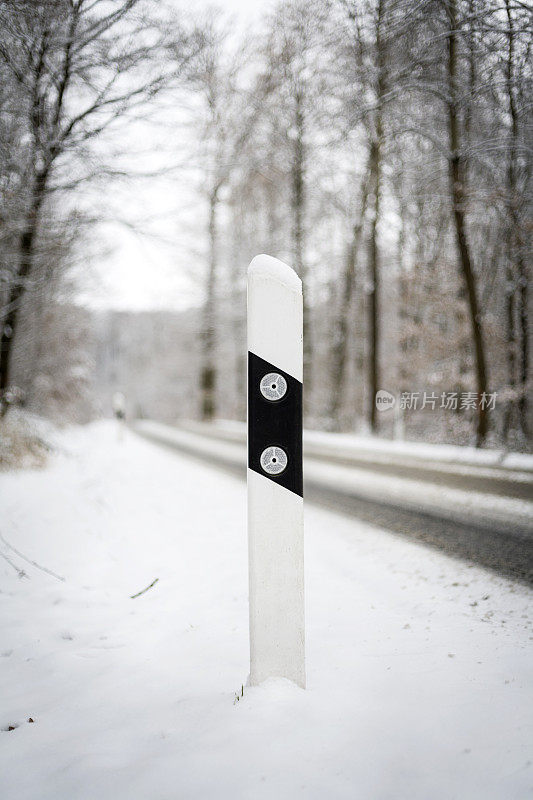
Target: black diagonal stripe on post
column 275, row 423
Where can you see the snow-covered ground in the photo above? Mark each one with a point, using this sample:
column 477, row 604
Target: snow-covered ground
column 419, row 667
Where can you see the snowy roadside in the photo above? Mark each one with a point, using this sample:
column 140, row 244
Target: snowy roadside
column 419, row 667
column 481, row 508
column 374, row 448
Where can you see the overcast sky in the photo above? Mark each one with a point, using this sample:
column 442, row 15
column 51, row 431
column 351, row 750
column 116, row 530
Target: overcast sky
column 160, row 267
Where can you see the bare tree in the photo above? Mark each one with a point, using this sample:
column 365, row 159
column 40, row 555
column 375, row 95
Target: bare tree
column 515, row 68
column 342, row 328
column 298, row 66
column 227, row 115
column 444, row 74
column 458, row 189
column 213, row 82
column 78, row 68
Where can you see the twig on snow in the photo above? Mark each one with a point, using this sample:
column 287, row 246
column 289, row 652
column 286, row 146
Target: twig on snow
column 133, row 596
column 33, row 563
column 20, row 572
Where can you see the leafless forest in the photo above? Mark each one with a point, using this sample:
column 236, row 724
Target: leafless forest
column 380, row 147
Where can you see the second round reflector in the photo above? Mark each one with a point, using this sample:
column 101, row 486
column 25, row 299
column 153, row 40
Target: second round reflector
column 273, row 460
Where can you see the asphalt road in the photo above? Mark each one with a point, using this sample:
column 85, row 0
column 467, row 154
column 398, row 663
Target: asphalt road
column 504, row 546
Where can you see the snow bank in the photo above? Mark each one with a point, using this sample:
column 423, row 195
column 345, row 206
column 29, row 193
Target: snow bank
column 462, row 505
column 347, row 444
column 25, row 440
column 418, row 666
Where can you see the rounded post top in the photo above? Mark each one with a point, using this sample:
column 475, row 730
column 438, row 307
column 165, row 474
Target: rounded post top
column 267, row 267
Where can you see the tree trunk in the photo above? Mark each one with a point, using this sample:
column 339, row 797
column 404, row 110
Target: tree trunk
column 298, row 201
column 402, row 372
column 238, row 323
column 510, row 289
column 373, row 291
column 373, row 298
column 208, row 372
column 517, row 290
column 18, row 288
column 524, row 343
column 457, row 196
column 341, row 333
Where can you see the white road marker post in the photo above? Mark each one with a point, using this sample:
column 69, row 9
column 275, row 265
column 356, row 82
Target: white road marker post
column 275, row 491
